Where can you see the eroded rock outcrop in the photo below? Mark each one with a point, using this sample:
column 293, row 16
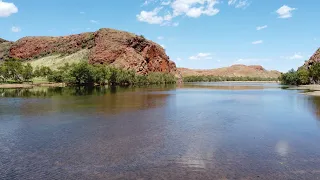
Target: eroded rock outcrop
column 106, row 46
column 314, row 58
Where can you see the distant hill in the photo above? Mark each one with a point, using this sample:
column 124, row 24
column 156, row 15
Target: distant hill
column 105, row 46
column 232, row 71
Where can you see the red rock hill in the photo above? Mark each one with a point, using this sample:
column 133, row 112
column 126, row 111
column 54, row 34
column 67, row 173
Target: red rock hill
column 314, row 58
column 106, row 46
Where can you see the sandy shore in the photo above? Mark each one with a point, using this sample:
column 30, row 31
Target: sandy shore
column 314, row 89
column 10, row 86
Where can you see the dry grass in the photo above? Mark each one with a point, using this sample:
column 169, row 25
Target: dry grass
column 55, row 61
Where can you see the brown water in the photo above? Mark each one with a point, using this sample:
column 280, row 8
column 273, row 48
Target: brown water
column 197, row 131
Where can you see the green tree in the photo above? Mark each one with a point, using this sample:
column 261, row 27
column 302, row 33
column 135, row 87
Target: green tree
column 27, row 72
column 13, row 70
column 81, row 73
column 315, row 72
column 101, row 74
column 290, row 78
column 304, row 76
column 2, row 73
column 45, row 71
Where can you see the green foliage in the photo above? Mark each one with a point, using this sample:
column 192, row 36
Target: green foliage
column 80, row 74
column 13, row 70
column 87, row 74
column 304, row 76
column 27, row 72
column 290, row 78
column 222, row 78
column 315, row 73
column 56, row 76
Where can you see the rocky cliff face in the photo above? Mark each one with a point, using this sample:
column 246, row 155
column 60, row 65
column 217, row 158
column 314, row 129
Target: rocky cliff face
column 106, row 46
column 314, row 58
column 233, row 71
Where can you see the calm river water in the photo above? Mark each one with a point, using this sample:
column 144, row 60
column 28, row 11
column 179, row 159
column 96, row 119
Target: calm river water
column 196, row 131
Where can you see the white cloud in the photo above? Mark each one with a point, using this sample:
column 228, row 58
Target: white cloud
column 189, row 8
column 239, row 3
column 7, row 9
column 201, row 56
column 147, row 2
column 163, row 46
column 179, row 59
column 243, row 4
column 285, row 12
column 15, row 29
column 232, row 2
column 165, row 3
column 257, row 42
column 295, row 56
column 261, row 27
column 151, row 17
column 160, row 38
column 94, row 21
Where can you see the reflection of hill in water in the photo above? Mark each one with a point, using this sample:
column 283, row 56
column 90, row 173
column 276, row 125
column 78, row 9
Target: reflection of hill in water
column 82, row 99
column 232, row 86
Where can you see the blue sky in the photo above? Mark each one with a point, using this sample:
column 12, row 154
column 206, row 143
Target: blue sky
column 203, row 34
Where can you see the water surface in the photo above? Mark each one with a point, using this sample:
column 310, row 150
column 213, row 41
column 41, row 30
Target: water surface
column 195, row 131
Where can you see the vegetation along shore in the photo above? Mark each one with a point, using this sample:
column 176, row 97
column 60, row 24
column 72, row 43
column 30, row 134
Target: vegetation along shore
column 14, row 74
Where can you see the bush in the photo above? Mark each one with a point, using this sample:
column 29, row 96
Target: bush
column 315, row 73
column 80, row 74
column 290, row 78
column 56, row 76
column 304, row 76
column 27, row 72
column 87, row 74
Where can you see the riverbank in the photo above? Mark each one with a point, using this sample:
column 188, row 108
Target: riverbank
column 28, row 85
column 312, row 90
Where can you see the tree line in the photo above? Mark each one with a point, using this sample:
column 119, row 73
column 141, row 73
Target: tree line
column 82, row 73
column 302, row 76
column 210, row 78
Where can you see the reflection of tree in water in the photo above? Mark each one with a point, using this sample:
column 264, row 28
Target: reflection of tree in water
column 75, row 91
column 315, row 106
column 104, row 100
